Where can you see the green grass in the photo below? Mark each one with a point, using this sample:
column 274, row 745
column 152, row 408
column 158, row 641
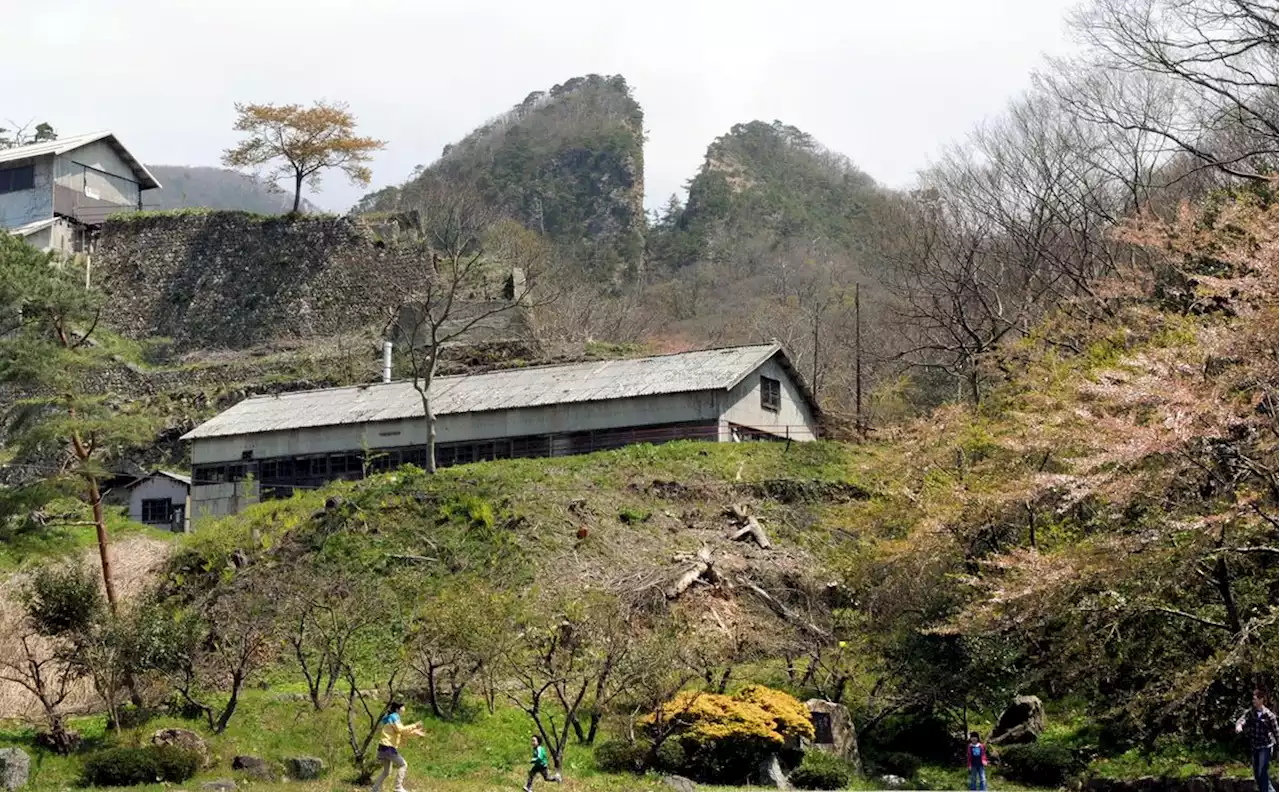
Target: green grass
column 487, row 752
column 58, row 541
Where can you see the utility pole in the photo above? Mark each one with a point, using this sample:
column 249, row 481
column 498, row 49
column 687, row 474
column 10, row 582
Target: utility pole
column 815, row 352
column 857, row 360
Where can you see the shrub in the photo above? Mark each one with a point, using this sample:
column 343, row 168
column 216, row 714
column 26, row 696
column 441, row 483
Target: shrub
column 922, row 734
column 620, row 756
column 146, row 765
column 820, row 770
column 671, row 757
column 1041, row 764
column 899, row 763
column 725, row 737
column 633, row 516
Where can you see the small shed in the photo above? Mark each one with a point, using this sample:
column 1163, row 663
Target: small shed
column 161, row 498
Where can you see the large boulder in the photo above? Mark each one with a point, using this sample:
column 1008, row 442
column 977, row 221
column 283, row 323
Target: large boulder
column 220, row 785
column 186, row 740
column 832, row 731
column 679, row 783
column 769, row 774
column 15, row 768
column 254, row 767
column 1021, row 722
column 304, row 768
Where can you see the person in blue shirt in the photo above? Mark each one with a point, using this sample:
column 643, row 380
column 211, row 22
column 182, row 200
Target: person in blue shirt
column 976, row 754
column 538, row 765
column 393, row 731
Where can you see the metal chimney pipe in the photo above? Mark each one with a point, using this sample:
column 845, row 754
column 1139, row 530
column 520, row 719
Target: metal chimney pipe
column 386, row 361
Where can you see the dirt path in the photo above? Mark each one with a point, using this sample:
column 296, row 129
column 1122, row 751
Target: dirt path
column 136, row 560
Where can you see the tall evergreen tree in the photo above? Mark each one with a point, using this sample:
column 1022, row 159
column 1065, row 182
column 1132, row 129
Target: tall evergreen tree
column 63, row 430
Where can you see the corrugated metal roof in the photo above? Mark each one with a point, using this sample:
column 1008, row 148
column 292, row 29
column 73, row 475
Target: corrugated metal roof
column 64, row 144
column 181, row 478
column 540, row 386
column 31, row 228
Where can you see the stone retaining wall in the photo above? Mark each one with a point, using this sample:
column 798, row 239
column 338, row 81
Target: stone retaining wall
column 235, row 280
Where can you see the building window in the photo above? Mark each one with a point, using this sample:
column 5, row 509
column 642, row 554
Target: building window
column 745, row 434
column 16, row 179
column 770, row 394
column 157, row 511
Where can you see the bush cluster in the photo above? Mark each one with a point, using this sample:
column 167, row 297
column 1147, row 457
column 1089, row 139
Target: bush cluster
column 620, row 756
column 898, row 763
column 725, row 737
column 820, row 770
column 146, row 765
column 1040, row 764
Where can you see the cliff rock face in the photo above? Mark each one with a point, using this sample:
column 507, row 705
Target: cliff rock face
column 233, row 280
column 568, row 162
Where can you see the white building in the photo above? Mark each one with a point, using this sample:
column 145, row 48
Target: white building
column 308, row 438
column 161, row 499
column 58, row 192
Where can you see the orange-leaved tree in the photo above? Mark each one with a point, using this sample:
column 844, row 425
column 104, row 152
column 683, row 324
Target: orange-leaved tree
column 299, row 142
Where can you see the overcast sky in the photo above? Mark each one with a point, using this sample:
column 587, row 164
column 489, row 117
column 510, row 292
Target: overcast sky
column 886, row 82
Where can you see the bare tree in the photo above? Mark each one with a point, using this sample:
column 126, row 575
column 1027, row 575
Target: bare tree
column 18, row 135
column 326, row 617
column 1214, row 60
column 1133, row 157
column 365, row 708
column 48, row 674
column 956, row 304
column 1006, row 227
column 221, row 649
column 472, row 250
column 559, row 657
column 461, row 635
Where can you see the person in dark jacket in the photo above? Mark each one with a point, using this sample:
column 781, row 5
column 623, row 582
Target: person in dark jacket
column 1259, row 723
column 976, row 758
column 538, row 765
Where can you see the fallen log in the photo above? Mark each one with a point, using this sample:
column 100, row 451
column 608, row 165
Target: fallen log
column 783, row 611
column 754, row 530
column 701, row 567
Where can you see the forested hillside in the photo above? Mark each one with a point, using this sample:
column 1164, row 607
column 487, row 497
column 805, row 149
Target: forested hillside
column 189, row 186
column 775, row 239
column 765, row 186
column 567, row 163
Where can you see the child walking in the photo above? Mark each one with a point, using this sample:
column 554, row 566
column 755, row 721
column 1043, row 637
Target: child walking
column 538, row 765
column 977, row 756
column 393, row 730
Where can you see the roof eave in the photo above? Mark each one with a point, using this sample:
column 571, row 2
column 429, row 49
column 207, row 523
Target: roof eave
column 146, row 180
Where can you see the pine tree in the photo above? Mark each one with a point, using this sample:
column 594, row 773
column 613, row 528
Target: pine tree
column 64, row 434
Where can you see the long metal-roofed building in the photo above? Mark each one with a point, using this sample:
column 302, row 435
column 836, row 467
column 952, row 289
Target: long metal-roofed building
column 267, row 445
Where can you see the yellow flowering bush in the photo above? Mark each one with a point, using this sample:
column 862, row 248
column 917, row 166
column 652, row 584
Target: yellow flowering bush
column 724, row 736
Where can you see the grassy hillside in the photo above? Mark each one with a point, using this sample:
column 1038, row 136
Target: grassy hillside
column 1103, row 525
column 1099, row 531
